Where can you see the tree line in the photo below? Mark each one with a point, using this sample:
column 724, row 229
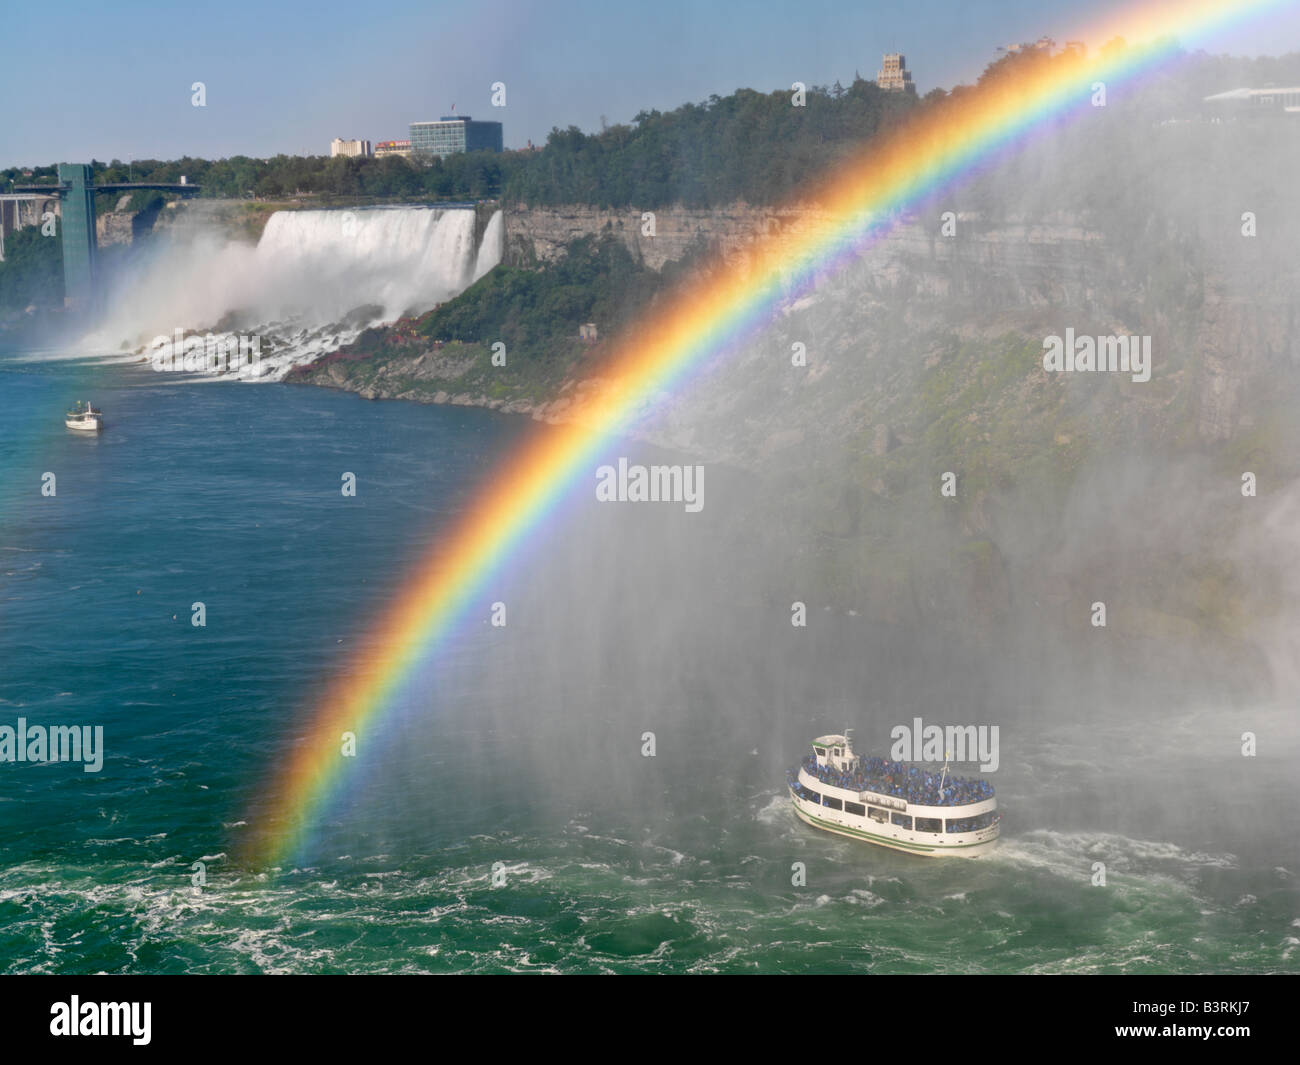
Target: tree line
column 748, row 146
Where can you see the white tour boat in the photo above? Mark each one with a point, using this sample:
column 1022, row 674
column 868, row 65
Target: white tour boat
column 84, row 418
column 909, row 808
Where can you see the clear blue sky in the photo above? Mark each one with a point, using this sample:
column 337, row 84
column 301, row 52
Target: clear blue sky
column 85, row 78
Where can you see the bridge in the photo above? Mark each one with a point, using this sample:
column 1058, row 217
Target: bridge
column 11, row 211
column 120, row 186
column 80, row 248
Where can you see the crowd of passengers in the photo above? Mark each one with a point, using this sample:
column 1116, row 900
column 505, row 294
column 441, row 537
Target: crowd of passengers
column 972, row 824
column 906, row 782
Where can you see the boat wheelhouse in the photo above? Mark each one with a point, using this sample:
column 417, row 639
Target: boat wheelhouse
column 909, row 808
column 84, row 418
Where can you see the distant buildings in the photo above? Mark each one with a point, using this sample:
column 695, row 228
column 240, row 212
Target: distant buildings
column 1047, row 46
column 349, row 148
column 450, row 135
column 453, row 134
column 1043, row 44
column 1248, row 102
column 894, row 75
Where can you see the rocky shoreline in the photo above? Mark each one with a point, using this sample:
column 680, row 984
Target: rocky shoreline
column 416, row 371
column 552, row 412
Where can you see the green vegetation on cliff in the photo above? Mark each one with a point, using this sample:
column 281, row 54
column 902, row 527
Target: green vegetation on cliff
column 539, row 311
column 32, row 271
column 535, row 313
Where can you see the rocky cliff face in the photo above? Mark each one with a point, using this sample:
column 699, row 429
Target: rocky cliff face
column 1056, row 251
column 539, row 234
column 114, row 227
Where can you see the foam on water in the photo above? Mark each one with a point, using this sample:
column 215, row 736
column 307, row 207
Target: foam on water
column 1066, row 853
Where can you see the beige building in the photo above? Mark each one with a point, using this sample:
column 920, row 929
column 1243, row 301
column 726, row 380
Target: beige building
column 342, row 147
column 894, row 75
column 383, row 148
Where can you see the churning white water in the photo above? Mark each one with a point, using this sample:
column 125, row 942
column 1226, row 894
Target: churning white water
column 314, row 281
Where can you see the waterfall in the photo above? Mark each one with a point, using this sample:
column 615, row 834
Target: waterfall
column 491, row 247
column 400, row 259
column 314, row 281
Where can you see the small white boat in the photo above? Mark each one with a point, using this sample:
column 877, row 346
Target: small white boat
column 891, row 804
column 84, row 418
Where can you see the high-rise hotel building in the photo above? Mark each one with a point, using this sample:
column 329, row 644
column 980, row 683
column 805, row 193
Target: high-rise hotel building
column 453, row 134
column 338, row 146
column 894, row 75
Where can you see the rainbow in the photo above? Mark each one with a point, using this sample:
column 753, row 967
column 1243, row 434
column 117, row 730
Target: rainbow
column 900, row 171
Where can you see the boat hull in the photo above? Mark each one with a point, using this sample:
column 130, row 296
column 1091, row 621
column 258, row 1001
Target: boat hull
column 959, row 845
column 84, row 425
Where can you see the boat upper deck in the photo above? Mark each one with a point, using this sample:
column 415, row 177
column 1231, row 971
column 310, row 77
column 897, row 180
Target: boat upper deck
column 912, row 784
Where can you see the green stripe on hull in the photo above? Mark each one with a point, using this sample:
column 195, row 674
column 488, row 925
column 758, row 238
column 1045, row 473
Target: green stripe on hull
column 884, row 841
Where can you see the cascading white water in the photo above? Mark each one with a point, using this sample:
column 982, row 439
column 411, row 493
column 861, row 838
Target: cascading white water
column 315, row 280
column 400, row 259
column 492, row 246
